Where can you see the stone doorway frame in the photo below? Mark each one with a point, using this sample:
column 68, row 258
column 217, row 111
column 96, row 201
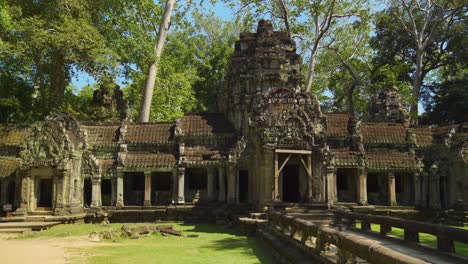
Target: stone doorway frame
column 306, row 164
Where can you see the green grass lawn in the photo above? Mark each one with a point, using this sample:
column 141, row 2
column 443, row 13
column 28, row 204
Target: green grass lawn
column 214, row 245
column 425, row 239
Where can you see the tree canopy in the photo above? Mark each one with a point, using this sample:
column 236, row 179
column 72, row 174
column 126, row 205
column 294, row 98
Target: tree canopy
column 350, row 51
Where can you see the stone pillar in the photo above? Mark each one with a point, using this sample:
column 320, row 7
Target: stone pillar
column 25, row 197
column 417, row 189
column 222, row 185
column 335, row 187
column 434, row 188
column 231, row 180
column 276, row 194
column 331, row 174
column 174, row 185
column 210, row 183
column 180, row 185
column 147, row 199
column 95, row 191
column 391, row 189
column 113, row 191
column 362, row 186
column 120, row 189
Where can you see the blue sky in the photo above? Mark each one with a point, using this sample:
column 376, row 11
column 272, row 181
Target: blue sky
column 82, row 78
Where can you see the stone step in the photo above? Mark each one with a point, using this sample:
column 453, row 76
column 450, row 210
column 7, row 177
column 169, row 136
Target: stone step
column 307, row 216
column 262, row 216
column 27, row 225
column 41, row 213
column 304, row 210
column 14, row 230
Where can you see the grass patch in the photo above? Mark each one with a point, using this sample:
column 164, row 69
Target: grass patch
column 213, row 245
column 425, row 239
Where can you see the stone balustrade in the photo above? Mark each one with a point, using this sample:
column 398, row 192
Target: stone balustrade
column 446, row 235
column 317, row 239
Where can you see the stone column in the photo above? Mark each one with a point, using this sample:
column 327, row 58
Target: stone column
column 181, row 186
column 222, row 185
column 231, row 180
column 210, row 183
column 335, row 188
column 95, row 191
column 25, row 197
column 147, row 201
column 330, row 185
column 276, row 194
column 120, row 189
column 174, row 185
column 362, row 186
column 391, row 189
column 434, row 188
column 417, row 189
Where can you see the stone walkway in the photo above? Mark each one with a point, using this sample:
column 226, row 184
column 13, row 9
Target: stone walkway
column 423, row 253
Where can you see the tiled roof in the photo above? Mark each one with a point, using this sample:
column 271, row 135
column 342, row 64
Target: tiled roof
column 8, row 166
column 106, row 165
column 201, row 154
column 390, row 160
column 337, row 124
column 383, row 133
column 11, row 135
column 105, row 134
column 149, row 132
column 150, row 160
column 346, row 158
column 423, row 136
column 205, row 124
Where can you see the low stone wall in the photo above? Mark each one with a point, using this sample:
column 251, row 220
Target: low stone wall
column 348, row 246
column 446, row 235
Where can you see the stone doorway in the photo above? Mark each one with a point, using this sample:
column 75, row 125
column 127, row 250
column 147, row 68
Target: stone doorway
column 377, row 189
column 87, row 190
column 11, row 192
column 292, row 176
column 291, row 184
column 243, row 186
column 106, row 192
column 161, row 188
column 134, row 188
column 346, row 185
column 44, row 193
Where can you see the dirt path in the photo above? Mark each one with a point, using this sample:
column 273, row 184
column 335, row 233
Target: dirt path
column 38, row 251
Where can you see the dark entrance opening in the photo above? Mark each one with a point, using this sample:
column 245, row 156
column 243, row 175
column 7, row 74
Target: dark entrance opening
column 45, row 193
column 161, row 183
column 134, row 188
column 106, row 192
column 443, row 191
column 291, row 184
column 87, row 189
column 11, row 192
column 243, row 186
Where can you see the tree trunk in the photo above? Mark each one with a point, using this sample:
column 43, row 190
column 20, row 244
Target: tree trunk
column 310, row 75
column 39, row 84
column 57, row 81
column 153, row 68
column 417, row 82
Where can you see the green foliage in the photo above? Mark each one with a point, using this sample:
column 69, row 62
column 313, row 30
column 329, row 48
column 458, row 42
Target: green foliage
column 16, row 102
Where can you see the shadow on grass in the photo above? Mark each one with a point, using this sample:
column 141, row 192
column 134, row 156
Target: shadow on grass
column 244, row 245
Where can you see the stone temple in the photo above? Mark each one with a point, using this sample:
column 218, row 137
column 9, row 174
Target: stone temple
column 271, row 143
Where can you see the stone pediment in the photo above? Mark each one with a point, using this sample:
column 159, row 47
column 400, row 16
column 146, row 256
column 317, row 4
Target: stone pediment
column 287, row 118
column 52, row 141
